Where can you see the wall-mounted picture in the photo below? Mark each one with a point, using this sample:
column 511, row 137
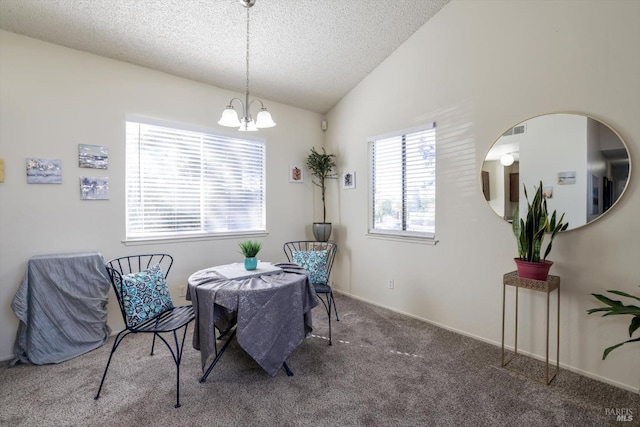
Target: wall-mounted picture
column 566, row 178
column 547, row 192
column 349, row 180
column 94, row 188
column 93, row 156
column 296, row 174
column 44, row 171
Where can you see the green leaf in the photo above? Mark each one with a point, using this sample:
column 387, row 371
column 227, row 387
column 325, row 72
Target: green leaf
column 610, row 349
column 250, row 248
column 635, row 324
column 632, row 310
column 595, row 310
column 618, row 308
column 624, row 294
column 607, row 301
column 613, row 347
column 547, row 251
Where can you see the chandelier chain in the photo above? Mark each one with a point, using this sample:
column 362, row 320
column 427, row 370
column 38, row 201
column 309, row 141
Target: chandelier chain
column 247, row 82
column 230, row 115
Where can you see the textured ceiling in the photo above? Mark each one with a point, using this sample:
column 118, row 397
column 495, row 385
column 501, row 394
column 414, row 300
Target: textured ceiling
column 304, row 53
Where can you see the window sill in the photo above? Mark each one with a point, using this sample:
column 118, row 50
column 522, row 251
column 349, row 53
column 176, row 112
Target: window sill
column 191, row 238
column 420, row 240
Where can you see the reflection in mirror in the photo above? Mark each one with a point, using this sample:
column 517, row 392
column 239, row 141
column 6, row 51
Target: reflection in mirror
column 583, row 163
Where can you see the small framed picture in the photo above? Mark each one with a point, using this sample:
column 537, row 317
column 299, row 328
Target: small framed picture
column 349, row 180
column 44, row 171
column 296, row 174
column 94, row 188
column 567, row 178
column 93, row 156
column 547, row 192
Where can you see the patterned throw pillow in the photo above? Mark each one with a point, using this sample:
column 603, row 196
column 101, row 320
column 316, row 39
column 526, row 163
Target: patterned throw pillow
column 145, row 295
column 315, row 262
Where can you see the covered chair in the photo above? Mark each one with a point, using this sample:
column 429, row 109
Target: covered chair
column 146, row 305
column 317, row 258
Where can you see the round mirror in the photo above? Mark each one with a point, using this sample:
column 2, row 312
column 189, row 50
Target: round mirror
column 583, row 164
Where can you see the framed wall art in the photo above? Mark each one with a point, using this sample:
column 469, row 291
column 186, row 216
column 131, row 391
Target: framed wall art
column 93, row 156
column 296, row 174
column 44, row 171
column 349, row 180
column 567, row 178
column 94, row 188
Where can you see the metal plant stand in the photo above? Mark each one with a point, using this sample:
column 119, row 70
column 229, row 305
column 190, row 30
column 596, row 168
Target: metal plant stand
column 552, row 283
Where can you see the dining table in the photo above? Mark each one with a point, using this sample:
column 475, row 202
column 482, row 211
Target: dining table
column 268, row 309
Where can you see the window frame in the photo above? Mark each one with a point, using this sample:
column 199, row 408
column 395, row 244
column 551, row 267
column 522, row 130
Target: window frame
column 201, row 234
column 402, row 235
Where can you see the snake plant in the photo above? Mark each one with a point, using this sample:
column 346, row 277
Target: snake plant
column 530, row 234
column 616, row 308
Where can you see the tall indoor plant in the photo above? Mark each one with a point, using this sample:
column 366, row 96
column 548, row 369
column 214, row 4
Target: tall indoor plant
column 530, row 234
column 321, row 166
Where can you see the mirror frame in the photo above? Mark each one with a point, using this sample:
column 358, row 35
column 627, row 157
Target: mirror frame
column 483, row 178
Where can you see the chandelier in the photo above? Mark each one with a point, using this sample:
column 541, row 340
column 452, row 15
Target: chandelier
column 230, row 116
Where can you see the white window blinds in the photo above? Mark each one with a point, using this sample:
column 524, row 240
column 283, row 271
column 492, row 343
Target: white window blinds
column 183, row 183
column 403, row 177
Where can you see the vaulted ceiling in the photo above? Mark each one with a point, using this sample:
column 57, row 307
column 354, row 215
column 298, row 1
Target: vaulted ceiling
column 304, row 53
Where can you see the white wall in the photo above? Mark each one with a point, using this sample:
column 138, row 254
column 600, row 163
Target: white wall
column 476, row 68
column 556, row 143
column 53, row 98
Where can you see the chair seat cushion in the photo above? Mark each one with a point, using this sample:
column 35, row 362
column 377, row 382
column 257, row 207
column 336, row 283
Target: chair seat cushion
column 315, row 262
column 322, row 289
column 145, row 295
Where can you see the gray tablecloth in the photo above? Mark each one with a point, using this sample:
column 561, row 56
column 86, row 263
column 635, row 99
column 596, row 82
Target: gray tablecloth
column 62, row 307
column 273, row 312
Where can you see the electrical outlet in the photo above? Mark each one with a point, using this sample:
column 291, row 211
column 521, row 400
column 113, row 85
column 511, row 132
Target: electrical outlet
column 390, row 284
column 183, row 290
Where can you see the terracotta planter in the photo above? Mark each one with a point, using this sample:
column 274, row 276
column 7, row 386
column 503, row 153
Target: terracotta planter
column 533, row 270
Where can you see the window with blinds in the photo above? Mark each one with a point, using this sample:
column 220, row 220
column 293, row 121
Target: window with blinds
column 183, row 183
column 403, row 183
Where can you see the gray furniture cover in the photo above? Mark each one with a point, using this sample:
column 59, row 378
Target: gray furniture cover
column 62, row 307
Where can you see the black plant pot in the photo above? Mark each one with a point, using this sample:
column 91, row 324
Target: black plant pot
column 322, row 231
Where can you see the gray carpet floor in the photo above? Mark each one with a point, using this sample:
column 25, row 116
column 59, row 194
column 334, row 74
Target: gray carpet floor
column 383, row 369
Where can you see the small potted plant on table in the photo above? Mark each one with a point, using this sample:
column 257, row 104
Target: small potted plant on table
column 530, row 234
column 250, row 249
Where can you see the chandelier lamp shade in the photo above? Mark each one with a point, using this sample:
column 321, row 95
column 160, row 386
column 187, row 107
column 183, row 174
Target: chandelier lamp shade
column 230, row 115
